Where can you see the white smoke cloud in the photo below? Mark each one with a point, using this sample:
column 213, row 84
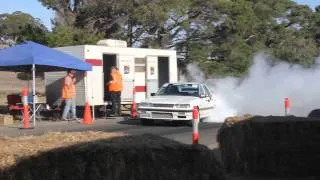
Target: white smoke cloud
column 263, row 90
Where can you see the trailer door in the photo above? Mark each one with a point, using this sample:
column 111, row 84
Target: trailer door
column 152, row 77
column 164, row 70
column 126, row 67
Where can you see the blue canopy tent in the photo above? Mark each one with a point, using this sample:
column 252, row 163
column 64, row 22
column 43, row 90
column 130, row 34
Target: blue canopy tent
column 31, row 57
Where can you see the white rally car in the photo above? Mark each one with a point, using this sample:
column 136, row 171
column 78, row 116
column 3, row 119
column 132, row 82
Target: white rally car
column 175, row 101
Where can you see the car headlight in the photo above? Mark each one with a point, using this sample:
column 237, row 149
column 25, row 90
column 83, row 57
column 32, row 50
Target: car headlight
column 182, row 105
column 144, row 104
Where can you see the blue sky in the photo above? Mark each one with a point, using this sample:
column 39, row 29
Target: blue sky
column 35, row 8
column 311, row 3
column 32, row 7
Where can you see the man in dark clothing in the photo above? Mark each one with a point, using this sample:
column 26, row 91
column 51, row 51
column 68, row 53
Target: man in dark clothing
column 115, row 88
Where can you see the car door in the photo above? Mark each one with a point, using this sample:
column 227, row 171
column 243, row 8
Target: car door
column 204, row 105
column 210, row 98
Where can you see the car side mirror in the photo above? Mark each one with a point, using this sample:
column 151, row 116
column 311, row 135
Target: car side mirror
column 153, row 94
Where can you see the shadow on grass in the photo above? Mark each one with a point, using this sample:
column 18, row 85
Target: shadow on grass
column 142, row 157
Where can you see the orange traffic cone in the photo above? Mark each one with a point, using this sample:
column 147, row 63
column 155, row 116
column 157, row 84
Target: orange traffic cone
column 24, row 95
column 87, row 118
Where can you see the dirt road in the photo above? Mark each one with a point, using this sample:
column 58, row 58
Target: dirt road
column 180, row 133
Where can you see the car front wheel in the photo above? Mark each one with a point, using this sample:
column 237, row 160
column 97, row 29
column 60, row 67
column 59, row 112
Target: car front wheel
column 146, row 121
column 189, row 123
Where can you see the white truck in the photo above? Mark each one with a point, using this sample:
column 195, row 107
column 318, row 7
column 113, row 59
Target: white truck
column 143, row 69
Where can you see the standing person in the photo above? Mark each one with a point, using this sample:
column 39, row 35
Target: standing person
column 115, row 88
column 69, row 95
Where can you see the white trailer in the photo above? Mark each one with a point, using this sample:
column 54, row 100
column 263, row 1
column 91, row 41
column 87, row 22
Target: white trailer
column 143, row 69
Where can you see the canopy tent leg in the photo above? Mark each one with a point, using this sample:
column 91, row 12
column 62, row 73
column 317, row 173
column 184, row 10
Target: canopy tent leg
column 93, row 111
column 34, row 93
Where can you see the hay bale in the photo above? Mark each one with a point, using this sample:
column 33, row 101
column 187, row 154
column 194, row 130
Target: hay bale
column 274, row 146
column 314, row 113
column 6, row 120
column 15, row 148
column 229, row 121
column 142, row 157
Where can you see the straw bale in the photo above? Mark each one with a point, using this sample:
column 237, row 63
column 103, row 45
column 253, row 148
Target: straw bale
column 14, row 148
column 229, row 121
column 273, row 145
column 314, row 113
column 141, row 157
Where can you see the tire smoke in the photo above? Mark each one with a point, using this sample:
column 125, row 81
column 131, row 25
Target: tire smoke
column 263, row 89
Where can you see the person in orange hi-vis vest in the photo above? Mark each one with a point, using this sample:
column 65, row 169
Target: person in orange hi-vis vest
column 115, row 88
column 69, row 95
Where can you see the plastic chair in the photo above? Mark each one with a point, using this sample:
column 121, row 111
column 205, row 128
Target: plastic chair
column 15, row 105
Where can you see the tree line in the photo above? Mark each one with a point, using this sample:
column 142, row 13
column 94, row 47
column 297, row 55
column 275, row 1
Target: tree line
column 222, row 36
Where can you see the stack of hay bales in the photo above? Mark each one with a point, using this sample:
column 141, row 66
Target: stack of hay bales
column 274, row 146
column 142, row 157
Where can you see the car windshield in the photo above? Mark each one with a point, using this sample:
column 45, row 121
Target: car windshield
column 179, row 90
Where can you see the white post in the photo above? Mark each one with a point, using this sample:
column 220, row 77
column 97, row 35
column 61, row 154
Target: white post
column 93, row 113
column 195, row 125
column 87, row 96
column 286, row 106
column 85, row 86
column 34, row 93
